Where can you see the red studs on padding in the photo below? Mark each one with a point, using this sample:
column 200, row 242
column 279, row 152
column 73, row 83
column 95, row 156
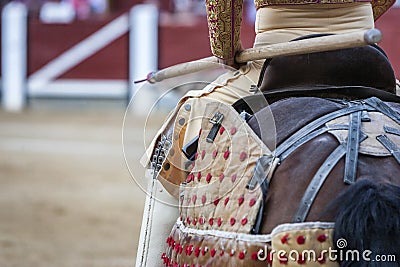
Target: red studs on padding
column 244, row 221
column 283, row 259
column 252, row 202
column 226, row 154
column 190, row 178
column 219, row 222
column 233, row 130
column 232, row 221
column 208, row 178
column 301, row 259
column 202, row 220
column 204, row 251
column 212, row 252
column 221, row 177
column 199, row 176
column 214, row 154
column 241, row 200
column 203, row 199
column 211, row 221
column 189, row 250
column 221, row 130
column 285, row 239
column 301, row 240
column 216, row 201
column 242, row 156
column 322, row 238
column 254, row 256
column 197, row 251
column 321, row 259
column 226, row 201
column 241, row 255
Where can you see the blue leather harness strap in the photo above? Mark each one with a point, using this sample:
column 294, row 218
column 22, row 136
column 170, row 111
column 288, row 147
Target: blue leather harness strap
column 355, row 137
column 310, row 136
column 353, row 141
column 358, row 114
column 318, row 123
column 390, row 146
column 384, row 108
column 391, row 130
column 318, row 180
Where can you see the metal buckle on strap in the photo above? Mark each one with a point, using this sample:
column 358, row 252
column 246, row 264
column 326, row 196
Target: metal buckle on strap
column 160, row 154
column 216, row 120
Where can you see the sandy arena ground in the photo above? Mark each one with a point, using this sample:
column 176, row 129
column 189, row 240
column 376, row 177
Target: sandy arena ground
column 66, row 196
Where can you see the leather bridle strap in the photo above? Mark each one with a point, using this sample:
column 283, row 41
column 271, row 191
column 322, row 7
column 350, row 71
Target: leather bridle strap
column 319, row 179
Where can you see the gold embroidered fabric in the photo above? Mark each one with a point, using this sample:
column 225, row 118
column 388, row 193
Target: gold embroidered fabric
column 381, row 6
column 292, row 245
column 224, row 19
column 378, row 6
column 303, row 245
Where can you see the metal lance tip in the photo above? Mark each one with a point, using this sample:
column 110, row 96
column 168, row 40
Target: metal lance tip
column 373, row 36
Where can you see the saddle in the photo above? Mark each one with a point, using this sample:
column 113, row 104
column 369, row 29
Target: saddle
column 353, row 73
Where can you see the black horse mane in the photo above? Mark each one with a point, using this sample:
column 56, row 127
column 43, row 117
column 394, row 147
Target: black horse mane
column 368, row 218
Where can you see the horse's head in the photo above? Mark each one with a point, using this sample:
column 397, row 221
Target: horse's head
column 359, row 69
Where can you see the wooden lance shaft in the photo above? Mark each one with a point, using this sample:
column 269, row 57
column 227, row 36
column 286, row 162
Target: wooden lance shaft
column 312, row 45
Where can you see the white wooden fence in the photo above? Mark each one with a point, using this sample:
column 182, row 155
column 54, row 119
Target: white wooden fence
column 142, row 25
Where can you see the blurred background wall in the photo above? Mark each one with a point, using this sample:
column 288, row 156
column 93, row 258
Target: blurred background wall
column 54, row 27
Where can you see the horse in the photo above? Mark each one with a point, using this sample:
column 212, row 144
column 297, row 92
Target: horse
column 365, row 210
column 330, row 172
